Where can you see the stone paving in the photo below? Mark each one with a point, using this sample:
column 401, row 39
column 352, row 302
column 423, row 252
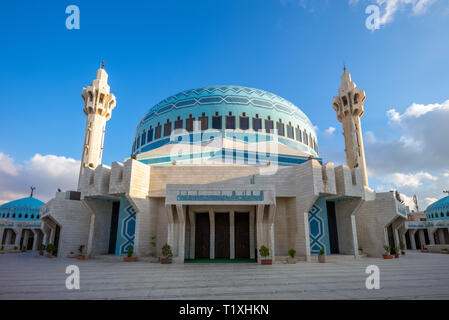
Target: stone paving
column 414, row 276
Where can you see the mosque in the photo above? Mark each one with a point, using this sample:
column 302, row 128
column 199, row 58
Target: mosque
column 217, row 172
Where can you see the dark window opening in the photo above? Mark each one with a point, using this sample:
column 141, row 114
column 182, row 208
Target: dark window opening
column 189, row 124
column 204, row 122
column 178, row 124
column 167, row 129
column 244, row 123
column 281, row 128
column 257, row 124
column 230, row 122
column 217, row 122
column 269, row 126
column 158, row 131
column 290, row 132
column 150, row 134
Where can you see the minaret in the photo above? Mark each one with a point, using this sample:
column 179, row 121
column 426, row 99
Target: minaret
column 98, row 106
column 349, row 108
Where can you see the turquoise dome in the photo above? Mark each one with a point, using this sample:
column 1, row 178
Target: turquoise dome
column 26, row 209
column 245, row 113
column 438, row 210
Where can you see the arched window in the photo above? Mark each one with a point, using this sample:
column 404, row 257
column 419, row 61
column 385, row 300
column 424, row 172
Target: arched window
column 298, row 134
column 217, row 122
column 244, row 122
column 32, row 216
column 280, row 127
column 26, row 216
column 290, row 131
column 305, row 137
column 144, row 136
column 189, row 123
column 269, row 126
column 150, row 134
column 257, row 123
column 138, row 142
column 204, row 122
column 167, row 128
column 230, row 121
column 158, row 131
column 178, row 123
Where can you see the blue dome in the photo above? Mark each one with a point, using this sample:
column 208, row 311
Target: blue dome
column 21, row 209
column 229, row 109
column 438, row 209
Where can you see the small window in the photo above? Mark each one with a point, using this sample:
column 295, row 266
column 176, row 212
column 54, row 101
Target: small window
column 290, row 132
column 32, row 216
column 189, row 123
column 178, row 123
column 257, row 123
column 281, row 129
column 134, row 146
column 150, row 134
column 217, row 122
column 167, row 128
column 230, row 122
column 158, row 131
column 144, row 136
column 269, row 127
column 298, row 135
column 26, row 216
column 244, row 122
column 138, row 142
column 204, row 122
column 305, row 137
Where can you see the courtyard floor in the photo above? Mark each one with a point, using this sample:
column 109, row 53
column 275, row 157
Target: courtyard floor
column 413, row 276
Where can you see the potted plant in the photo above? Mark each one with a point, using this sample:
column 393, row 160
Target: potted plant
column 129, row 256
column 71, row 255
column 387, row 254
column 322, row 256
column 51, row 249
column 41, row 250
column 264, row 253
column 24, row 249
column 291, row 256
column 167, row 254
column 16, row 249
column 81, row 256
column 395, row 252
column 402, row 246
column 444, row 251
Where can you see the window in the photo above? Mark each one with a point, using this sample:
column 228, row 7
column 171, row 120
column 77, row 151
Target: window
column 158, row 131
column 217, row 122
column 138, row 142
column 26, row 216
column 298, row 134
column 178, row 123
column 290, row 131
column 167, row 128
column 144, row 135
column 189, row 123
column 134, row 146
column 447, row 214
column 204, row 122
column 305, row 137
column 244, row 122
column 257, row 123
column 269, row 127
column 230, row 121
column 281, row 128
column 32, row 216
column 150, row 134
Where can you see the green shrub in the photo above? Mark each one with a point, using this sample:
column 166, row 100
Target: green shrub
column 51, row 249
column 166, row 251
column 130, row 251
column 322, row 252
column 15, row 248
column 264, row 251
column 402, row 245
column 81, row 249
column 393, row 250
column 387, row 249
column 292, row 252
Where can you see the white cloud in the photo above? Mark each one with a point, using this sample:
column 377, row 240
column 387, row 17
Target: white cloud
column 330, row 131
column 46, row 172
column 389, row 8
column 417, row 161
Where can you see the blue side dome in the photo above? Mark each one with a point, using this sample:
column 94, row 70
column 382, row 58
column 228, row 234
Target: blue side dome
column 438, row 209
column 236, row 111
column 21, row 209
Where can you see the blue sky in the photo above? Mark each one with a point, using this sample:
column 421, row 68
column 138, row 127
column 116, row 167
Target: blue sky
column 153, row 49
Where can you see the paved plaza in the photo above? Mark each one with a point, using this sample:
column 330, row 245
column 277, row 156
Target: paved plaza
column 414, row 276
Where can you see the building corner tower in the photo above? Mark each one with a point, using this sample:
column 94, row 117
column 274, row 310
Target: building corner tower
column 349, row 107
column 98, row 106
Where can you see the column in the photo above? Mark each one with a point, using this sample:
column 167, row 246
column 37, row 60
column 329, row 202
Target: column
column 441, row 236
column 36, row 240
column 252, row 242
column 171, row 228
column 232, row 234
column 8, row 237
column 259, row 225
column 355, row 241
column 192, row 233
column 422, row 239
column 18, row 238
column 26, row 237
column 307, row 236
column 52, row 235
column 2, row 231
column 431, row 232
column 212, row 233
column 181, row 233
column 271, row 239
column 411, row 234
column 396, row 237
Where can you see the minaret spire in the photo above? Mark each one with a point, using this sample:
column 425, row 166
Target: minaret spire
column 349, row 107
column 98, row 106
column 32, row 191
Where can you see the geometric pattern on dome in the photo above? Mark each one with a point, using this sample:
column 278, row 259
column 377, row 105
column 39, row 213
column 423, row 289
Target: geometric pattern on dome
column 442, row 204
column 226, row 95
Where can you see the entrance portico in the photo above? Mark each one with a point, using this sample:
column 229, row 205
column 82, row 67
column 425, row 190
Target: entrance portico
column 215, row 222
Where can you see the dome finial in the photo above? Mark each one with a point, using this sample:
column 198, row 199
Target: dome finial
column 32, row 191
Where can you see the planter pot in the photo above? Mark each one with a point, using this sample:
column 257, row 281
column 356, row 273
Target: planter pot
column 403, row 253
column 387, row 256
column 291, row 260
column 267, row 261
column 321, row 258
column 396, row 255
column 166, row 261
column 444, row 251
column 71, row 255
column 81, row 257
column 24, row 250
column 41, row 253
column 130, row 259
column 48, row 255
column 424, row 250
